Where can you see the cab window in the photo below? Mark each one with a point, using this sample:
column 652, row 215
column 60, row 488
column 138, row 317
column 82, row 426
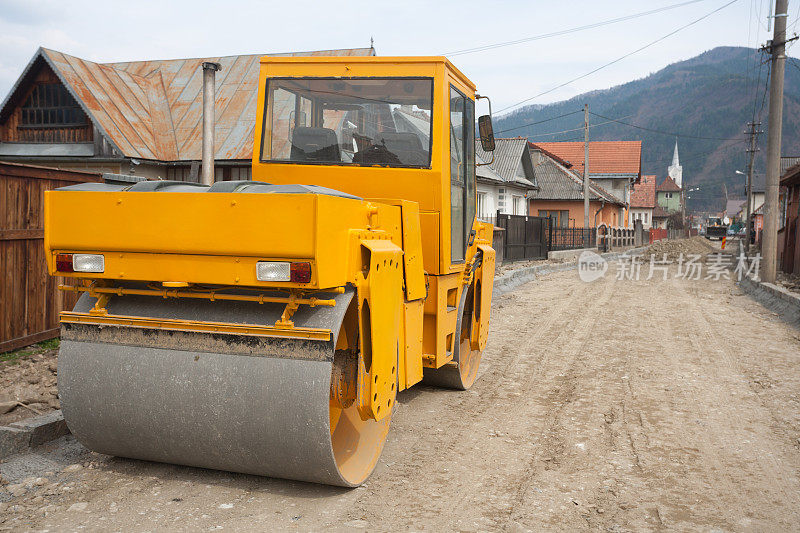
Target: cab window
column 355, row 121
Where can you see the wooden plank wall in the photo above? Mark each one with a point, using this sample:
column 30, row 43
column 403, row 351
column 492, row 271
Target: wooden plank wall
column 11, row 131
column 29, row 298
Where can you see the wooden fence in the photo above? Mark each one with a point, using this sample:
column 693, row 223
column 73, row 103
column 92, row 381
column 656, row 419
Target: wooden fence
column 29, row 298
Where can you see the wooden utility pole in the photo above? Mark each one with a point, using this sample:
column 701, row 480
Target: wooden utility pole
column 586, row 166
column 752, row 151
column 769, row 242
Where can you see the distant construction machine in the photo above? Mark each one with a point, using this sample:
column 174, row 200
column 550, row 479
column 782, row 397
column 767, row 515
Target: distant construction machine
column 266, row 326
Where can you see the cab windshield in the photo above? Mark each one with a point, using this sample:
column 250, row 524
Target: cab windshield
column 353, row 121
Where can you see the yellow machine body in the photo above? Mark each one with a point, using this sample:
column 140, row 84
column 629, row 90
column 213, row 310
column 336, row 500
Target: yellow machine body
column 414, row 307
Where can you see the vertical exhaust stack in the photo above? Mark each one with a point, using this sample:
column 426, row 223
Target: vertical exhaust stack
column 209, row 91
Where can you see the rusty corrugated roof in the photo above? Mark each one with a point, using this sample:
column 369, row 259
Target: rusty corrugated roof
column 153, row 109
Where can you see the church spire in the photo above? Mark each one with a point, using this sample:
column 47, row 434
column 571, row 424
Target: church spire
column 675, row 170
column 675, row 161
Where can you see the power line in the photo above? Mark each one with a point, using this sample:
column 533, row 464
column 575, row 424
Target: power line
column 541, row 121
column 555, row 132
column 492, row 46
column 570, row 130
column 671, row 134
column 692, row 157
column 651, row 43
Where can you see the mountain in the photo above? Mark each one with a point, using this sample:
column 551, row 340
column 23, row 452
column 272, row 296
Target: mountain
column 712, row 95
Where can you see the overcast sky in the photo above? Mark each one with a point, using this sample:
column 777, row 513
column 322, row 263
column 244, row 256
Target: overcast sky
column 120, row 31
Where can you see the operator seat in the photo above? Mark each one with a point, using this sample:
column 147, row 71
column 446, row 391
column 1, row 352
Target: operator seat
column 406, row 146
column 315, row 144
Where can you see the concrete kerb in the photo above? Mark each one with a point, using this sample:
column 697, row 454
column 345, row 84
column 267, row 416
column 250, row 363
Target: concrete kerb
column 777, row 299
column 510, row 281
column 568, row 254
column 20, row 436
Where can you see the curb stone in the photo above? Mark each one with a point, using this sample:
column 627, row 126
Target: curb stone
column 20, row 436
column 777, row 299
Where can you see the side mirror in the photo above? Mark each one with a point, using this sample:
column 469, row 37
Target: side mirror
column 486, row 133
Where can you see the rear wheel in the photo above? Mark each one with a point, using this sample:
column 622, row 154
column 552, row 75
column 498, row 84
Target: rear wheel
column 463, row 370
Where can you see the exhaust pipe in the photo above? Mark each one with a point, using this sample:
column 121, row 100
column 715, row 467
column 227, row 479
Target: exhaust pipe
column 209, row 90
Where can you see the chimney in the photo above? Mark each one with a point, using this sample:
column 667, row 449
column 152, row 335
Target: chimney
column 209, row 91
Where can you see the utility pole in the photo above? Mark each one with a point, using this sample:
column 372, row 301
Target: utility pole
column 586, row 166
column 769, row 243
column 752, row 151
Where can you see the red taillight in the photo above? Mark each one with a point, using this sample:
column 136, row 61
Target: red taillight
column 64, row 263
column 300, row 272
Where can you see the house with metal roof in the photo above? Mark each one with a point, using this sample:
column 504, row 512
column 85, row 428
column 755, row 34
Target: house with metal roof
column 560, row 195
column 505, row 178
column 139, row 117
column 643, row 201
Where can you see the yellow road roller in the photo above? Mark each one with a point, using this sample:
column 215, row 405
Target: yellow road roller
column 266, row 326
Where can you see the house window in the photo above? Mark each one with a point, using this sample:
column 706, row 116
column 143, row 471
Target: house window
column 482, row 205
column 668, row 195
column 50, row 106
column 645, row 218
column 519, row 206
column 559, row 219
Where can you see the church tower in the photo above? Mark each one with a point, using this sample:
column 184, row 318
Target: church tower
column 675, row 170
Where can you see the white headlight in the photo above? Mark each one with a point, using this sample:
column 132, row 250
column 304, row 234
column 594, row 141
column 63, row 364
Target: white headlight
column 88, row 263
column 273, row 271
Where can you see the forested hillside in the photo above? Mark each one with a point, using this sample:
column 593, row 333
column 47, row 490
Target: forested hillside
column 706, row 100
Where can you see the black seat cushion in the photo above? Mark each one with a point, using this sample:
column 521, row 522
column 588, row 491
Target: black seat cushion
column 406, row 146
column 315, row 144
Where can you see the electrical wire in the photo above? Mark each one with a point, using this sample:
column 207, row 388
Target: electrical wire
column 492, row 46
column 540, row 121
column 671, row 134
column 651, row 43
column 570, row 130
column 692, row 157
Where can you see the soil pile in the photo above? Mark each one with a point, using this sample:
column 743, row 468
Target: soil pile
column 674, row 248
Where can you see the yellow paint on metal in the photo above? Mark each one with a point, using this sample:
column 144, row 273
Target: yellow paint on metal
column 412, row 247
column 199, row 326
column 411, row 367
column 484, row 279
column 380, row 312
column 199, row 294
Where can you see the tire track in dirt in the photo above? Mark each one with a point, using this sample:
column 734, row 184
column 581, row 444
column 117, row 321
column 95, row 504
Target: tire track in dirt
column 501, row 384
column 561, row 391
column 499, row 396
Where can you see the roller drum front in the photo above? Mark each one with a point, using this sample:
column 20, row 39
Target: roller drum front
column 262, row 415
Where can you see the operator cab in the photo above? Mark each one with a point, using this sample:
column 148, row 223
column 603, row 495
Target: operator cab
column 380, row 128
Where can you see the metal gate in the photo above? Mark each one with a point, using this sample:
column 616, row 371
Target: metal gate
column 525, row 236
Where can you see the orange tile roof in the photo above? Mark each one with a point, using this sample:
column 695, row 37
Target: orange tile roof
column 605, row 157
column 643, row 194
column 668, row 185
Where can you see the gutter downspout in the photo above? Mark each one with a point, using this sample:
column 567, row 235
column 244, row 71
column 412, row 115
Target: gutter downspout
column 209, row 91
column 602, row 205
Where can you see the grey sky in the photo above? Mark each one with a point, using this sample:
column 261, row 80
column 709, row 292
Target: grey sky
column 145, row 29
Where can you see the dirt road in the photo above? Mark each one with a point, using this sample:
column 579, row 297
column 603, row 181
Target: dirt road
column 615, row 405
